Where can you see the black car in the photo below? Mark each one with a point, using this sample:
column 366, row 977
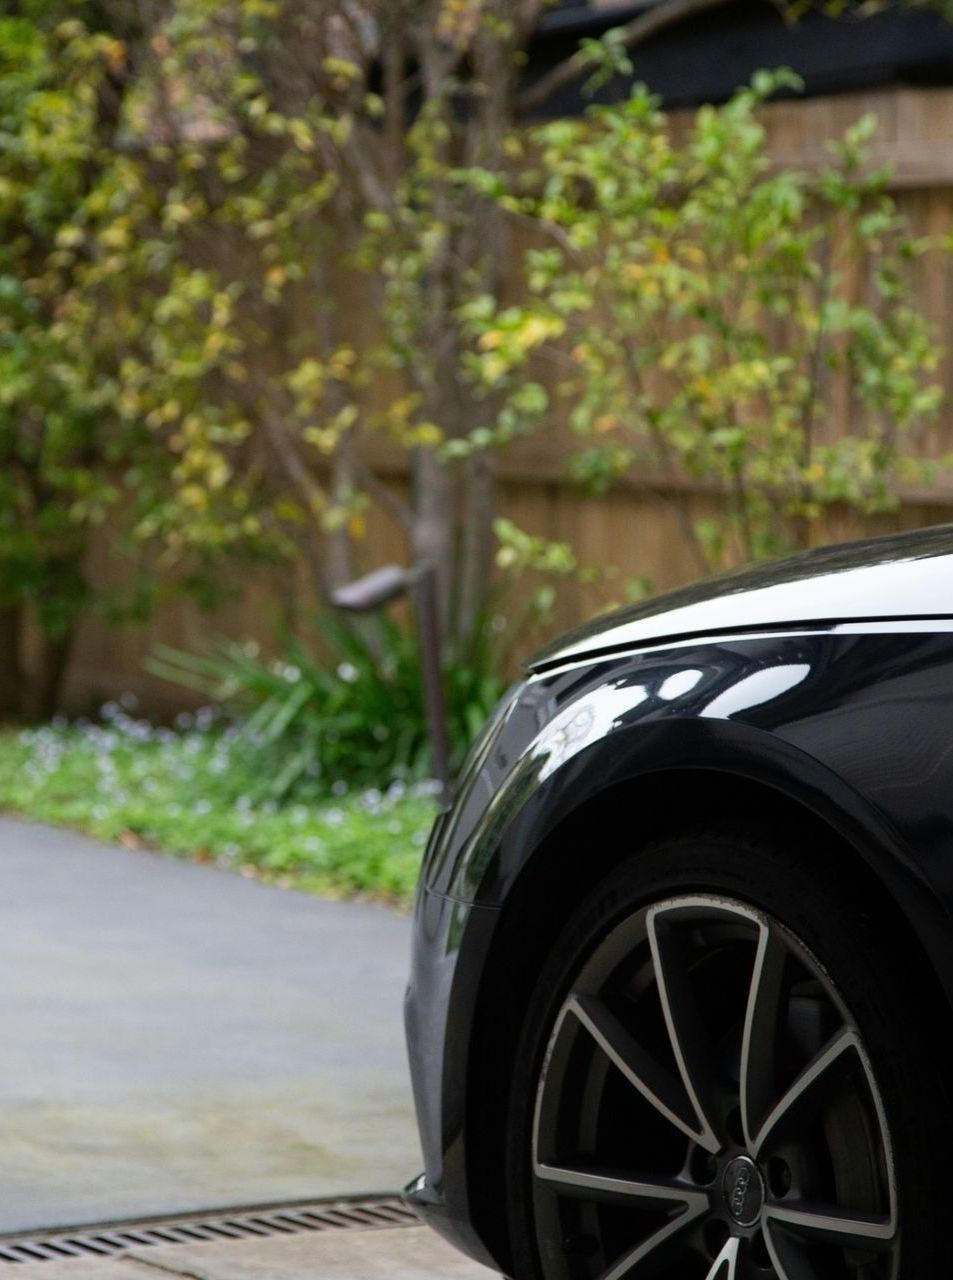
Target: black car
column 681, row 993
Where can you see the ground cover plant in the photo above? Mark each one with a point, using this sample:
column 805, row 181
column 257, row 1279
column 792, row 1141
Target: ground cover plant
column 356, row 714
column 194, row 790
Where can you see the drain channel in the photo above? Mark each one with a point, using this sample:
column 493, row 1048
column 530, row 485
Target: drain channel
column 107, row 1239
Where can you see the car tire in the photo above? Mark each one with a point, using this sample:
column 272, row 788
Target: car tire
column 730, row 1069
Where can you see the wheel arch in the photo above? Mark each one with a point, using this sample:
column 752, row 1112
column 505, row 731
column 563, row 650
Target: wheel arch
column 668, row 799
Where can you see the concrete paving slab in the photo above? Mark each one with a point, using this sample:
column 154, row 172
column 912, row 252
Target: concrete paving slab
column 404, row 1253
column 179, row 1038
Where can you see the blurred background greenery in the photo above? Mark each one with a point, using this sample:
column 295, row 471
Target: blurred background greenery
column 291, row 289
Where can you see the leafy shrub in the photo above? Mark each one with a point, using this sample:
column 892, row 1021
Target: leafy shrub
column 357, row 718
column 189, row 790
column 717, row 319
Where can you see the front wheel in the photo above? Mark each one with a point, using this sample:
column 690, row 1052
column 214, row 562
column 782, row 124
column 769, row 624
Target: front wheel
column 723, row 1077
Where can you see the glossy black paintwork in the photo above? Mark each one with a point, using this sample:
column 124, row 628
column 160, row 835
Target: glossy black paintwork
column 852, row 720
column 907, row 575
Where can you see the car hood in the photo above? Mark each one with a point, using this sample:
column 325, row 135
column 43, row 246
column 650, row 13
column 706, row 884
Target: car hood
column 904, row 576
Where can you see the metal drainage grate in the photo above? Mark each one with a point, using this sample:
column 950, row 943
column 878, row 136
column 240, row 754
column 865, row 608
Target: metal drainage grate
column 107, row 1239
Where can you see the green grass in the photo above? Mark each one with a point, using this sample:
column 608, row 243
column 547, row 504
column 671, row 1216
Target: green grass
column 195, row 792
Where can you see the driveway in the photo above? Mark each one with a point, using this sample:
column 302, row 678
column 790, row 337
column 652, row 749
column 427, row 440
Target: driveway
column 177, row 1038
column 414, row 1254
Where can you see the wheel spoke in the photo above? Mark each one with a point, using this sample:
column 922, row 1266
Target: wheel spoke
column 607, row 1187
column 583, row 1187
column 594, row 1184
column 725, row 1266
column 653, row 1249
column 658, row 1086
column 788, row 1260
column 815, row 1082
column 761, row 1029
column 835, row 1226
column 685, row 1027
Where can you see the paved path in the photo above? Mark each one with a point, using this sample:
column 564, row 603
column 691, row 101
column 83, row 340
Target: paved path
column 177, row 1038
column 405, row 1253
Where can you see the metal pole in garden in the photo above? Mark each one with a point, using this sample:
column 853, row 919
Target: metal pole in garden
column 427, row 608
column 372, row 592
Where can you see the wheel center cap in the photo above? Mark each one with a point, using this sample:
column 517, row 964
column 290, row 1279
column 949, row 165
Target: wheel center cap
column 743, row 1189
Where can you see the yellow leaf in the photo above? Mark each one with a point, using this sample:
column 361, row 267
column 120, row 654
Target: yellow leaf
column 69, row 237
column 427, row 434
column 322, row 438
column 692, row 253
column 302, row 134
column 286, row 509
column 193, row 495
column 536, row 330
column 490, row 340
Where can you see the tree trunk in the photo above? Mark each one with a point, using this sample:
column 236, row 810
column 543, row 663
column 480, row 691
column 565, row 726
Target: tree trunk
column 47, row 685
column 486, row 245
column 339, row 557
column 476, row 570
column 12, row 679
column 436, row 495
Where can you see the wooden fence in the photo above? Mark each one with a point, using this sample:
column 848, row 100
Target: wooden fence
column 634, row 528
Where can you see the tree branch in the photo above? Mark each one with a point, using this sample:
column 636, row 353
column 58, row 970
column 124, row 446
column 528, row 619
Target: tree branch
column 383, row 495
column 638, row 31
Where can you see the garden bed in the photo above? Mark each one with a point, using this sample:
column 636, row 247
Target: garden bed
column 194, row 791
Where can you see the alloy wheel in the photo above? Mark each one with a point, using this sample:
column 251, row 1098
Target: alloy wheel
column 706, row 1109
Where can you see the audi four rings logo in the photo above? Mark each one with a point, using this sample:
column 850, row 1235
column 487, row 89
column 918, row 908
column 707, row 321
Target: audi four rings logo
column 743, row 1191
column 739, row 1193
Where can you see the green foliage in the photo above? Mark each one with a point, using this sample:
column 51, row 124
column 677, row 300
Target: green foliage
column 706, row 314
column 302, row 262
column 245, row 252
column 191, row 792
column 610, row 57
column 69, row 199
column 234, row 369
column 47, row 407
column 357, row 717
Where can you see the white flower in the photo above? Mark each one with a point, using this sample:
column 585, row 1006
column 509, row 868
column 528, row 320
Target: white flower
column 431, row 787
